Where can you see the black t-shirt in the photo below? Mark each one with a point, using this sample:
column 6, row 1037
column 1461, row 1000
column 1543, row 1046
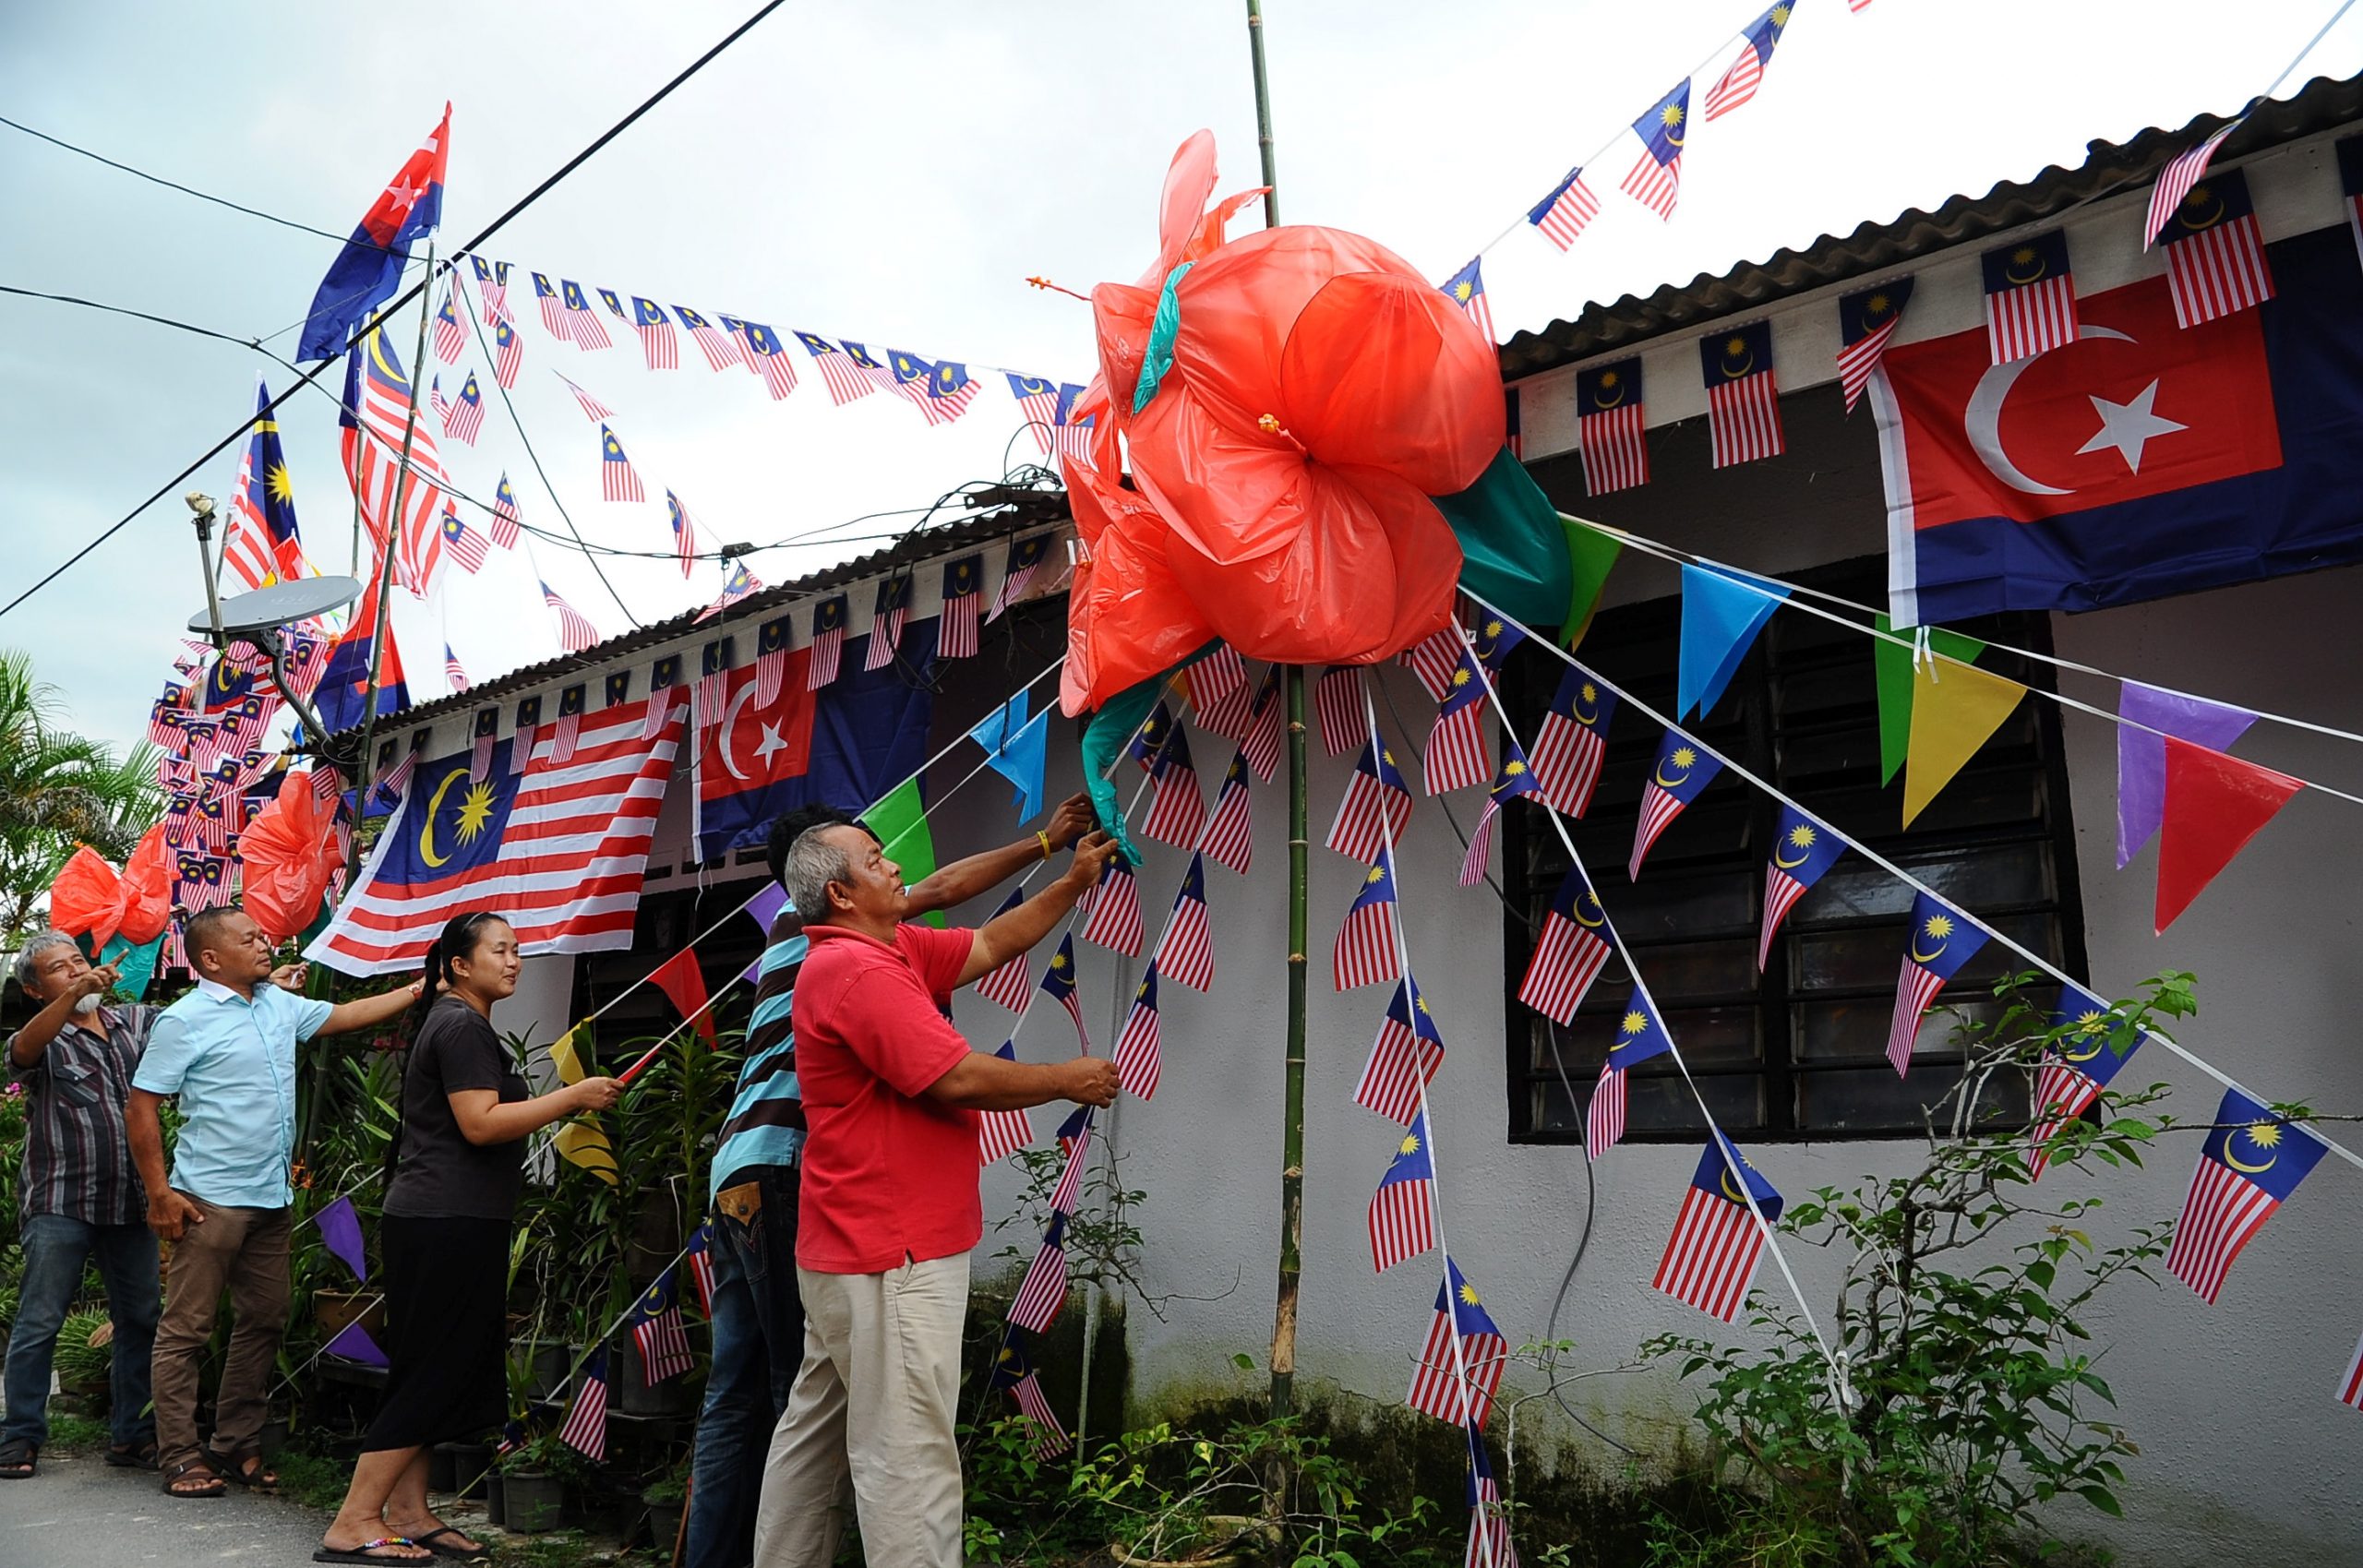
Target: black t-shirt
column 440, row 1174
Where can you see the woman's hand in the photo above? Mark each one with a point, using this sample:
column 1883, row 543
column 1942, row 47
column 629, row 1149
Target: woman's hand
column 594, row 1094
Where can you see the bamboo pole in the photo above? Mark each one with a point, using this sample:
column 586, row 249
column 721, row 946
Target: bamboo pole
column 393, row 536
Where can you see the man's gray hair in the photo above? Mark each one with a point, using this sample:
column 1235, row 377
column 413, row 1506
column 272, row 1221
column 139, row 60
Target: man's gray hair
column 811, row 865
column 28, row 956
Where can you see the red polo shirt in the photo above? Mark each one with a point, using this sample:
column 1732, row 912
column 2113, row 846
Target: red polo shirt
column 890, row 1176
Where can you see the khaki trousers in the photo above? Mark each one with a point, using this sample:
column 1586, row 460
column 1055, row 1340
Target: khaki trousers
column 245, row 1250
column 871, row 1414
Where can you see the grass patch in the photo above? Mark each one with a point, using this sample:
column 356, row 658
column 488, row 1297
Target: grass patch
column 310, row 1480
column 75, row 1434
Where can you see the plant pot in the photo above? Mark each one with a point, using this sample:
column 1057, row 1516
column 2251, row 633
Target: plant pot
column 549, row 1361
column 664, row 1526
column 335, row 1310
column 634, row 1398
column 531, row 1501
column 495, row 1499
column 469, row 1463
column 1228, row 1542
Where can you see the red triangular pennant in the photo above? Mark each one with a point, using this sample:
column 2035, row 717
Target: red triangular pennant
column 683, row 981
column 2215, row 805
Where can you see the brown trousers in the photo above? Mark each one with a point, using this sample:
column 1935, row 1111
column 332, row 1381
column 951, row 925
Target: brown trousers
column 245, row 1250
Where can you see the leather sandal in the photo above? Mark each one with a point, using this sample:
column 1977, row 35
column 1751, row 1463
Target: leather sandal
column 198, row 1471
column 19, row 1460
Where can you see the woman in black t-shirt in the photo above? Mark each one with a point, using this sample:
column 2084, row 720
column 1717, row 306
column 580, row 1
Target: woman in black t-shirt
column 461, row 1165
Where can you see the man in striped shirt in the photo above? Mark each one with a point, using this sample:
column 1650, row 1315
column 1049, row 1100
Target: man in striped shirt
column 758, row 1317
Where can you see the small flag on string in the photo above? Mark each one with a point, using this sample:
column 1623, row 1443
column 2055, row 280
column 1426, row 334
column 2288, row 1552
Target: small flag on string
column 1000, row 1133
column 436, row 403
column 1571, row 951
column 955, row 630
column 1939, row 941
column 951, row 389
column 352, row 1343
column 453, row 676
column 2077, row 1067
column 1338, row 700
column 741, row 585
column 1680, row 773
column 1402, row 1211
column 1187, row 951
column 586, row 1421
column 1071, row 432
column 572, row 703
column 449, row 336
column 1114, row 920
column 1011, row 1373
column 1140, row 1057
column 1176, row 808
column 508, row 352
column 1802, row 850
column 1562, row 216
column 1365, row 952
column 464, row 422
column 1742, row 395
column 1218, row 690
column 655, row 1324
column 1956, row 708
column 886, row 616
column 588, row 333
column 772, row 639
column 720, row 348
column 2350, row 1382
column 2151, row 715
column 869, row 365
column 1039, row 400
column 685, row 533
column 683, row 982
column 1866, row 319
column 767, row 358
column 461, row 542
column 1455, row 757
column 618, row 482
column 1489, row 1525
column 1466, row 289
column 1261, row 745
column 1044, row 1290
column 1403, row 1059
column 553, row 318
column 592, row 409
column 1738, row 84
column 1573, row 742
column 1009, row 981
column 699, row 1258
column 1610, row 426
column 1434, row 658
column 575, row 631
column 913, row 377
column 2175, row 183
column 1656, row 177
column 1375, row 809
column 664, row 677
column 2247, row 1167
column 2215, row 805
column 492, row 285
column 1710, row 1259
column 657, row 344
column 1074, row 1133
column 1058, row 984
column 487, row 735
column 828, row 641
column 340, row 1234
column 1640, row 1035
column 1025, row 560
column 1515, row 779
column 2030, row 297
column 1230, row 833
column 1460, row 1366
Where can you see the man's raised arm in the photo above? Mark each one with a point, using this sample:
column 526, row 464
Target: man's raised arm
column 963, row 880
column 1005, row 936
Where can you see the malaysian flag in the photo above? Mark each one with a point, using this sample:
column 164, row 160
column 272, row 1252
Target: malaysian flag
column 1376, row 807
column 656, row 1323
column 1514, row 779
column 2077, row 1066
column 1261, row 743
column 955, row 629
column 1571, row 951
column 1025, row 560
column 617, row 480
column 572, row 703
column 1611, row 427
column 2030, row 297
column 1489, row 1526
column 1743, row 397
column 1710, row 1259
column 657, row 344
column 886, row 614
column 739, row 584
column 262, row 544
column 1640, row 1035
column 1071, row 432
column 828, row 641
column 463, row 421
column 2247, row 1167
column 586, row 1422
column 1802, row 850
column 1434, row 658
column 2175, row 182
column 1186, row 951
column 1739, row 84
column 529, row 724
column 1939, row 941
column 839, row 373
column 201, row 878
column 1044, row 1290
column 1000, row 1133
column 449, row 336
column 1865, row 321
column 2350, row 1382
column 575, row 631
column 1230, row 832
column 394, row 783
column 461, row 542
column 951, row 389
column 699, row 1256
column 1058, row 984
column 721, row 350
column 1573, row 742
column 767, row 358
column 1455, row 757
column 1074, row 1142
column 1177, row 809
column 1009, row 982
column 1562, row 215
column 492, row 286
column 1220, row 691
column 685, row 533
column 1466, row 289
column 1338, row 700
column 913, row 378
column 1039, row 400
column 1011, row 1373
column 377, row 420
column 772, row 640
column 1139, row 1055
column 1656, row 178
column 1402, row 1211
column 453, row 673
column 436, row 402
column 593, row 408
column 1115, row 918
column 1681, row 771
column 664, row 680
column 588, row 333
column 1460, row 1366
column 508, row 352
column 1365, row 952
column 554, row 319
column 2215, row 262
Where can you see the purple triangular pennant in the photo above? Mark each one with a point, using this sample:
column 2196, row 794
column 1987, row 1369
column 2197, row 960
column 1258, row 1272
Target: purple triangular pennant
column 2141, row 756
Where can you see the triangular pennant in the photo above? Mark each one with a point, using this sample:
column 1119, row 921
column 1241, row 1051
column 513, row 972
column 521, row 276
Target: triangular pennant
column 2141, row 756
column 1891, row 664
column 900, row 822
column 1592, row 556
column 1720, row 618
column 1954, row 708
column 2215, row 804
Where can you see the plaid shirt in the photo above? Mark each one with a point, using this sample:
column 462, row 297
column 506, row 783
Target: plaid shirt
column 77, row 1156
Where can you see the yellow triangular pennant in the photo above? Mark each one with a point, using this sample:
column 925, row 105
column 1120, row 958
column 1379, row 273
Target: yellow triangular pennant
column 588, row 1147
column 1954, row 708
column 566, row 1054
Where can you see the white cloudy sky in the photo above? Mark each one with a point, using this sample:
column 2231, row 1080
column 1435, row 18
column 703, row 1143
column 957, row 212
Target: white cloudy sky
column 892, row 173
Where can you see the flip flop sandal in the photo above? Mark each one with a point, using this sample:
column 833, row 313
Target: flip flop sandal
column 138, row 1456
column 19, row 1460
column 172, row 1488
column 367, row 1552
column 248, row 1470
column 459, row 1553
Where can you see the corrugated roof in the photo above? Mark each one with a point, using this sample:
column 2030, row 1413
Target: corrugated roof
column 2108, row 168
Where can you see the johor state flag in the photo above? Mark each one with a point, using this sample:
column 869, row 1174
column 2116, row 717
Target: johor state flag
column 2143, row 459
column 845, row 745
column 368, row 268
column 2247, row 1167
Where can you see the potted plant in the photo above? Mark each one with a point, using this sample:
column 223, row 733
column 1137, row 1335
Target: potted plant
column 533, row 1484
column 85, row 1359
column 665, row 1497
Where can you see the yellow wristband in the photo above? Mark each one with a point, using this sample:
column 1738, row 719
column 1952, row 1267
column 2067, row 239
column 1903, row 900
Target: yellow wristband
column 1045, row 837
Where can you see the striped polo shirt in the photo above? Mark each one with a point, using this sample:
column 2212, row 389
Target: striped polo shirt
column 766, row 1121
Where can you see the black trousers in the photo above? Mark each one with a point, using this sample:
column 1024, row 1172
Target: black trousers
column 447, row 1330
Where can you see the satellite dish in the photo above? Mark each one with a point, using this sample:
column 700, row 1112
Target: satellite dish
column 281, row 603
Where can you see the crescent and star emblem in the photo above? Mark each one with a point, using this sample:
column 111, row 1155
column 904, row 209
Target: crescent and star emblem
column 1801, row 838
column 1600, row 398
column 1681, row 756
column 2200, row 210
column 1670, row 117
column 1586, row 898
column 1732, row 1188
column 435, row 806
column 1737, row 350
column 2023, row 257
column 1586, row 696
column 1939, row 929
column 2089, row 1027
column 2127, row 426
column 2265, row 1135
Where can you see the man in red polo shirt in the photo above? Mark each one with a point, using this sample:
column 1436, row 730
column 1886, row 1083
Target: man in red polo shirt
column 890, row 1208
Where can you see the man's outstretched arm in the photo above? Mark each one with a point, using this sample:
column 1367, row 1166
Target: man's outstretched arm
column 963, row 880
column 1004, row 937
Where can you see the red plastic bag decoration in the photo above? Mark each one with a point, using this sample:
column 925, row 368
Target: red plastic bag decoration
column 290, row 851
column 1320, row 391
column 91, row 898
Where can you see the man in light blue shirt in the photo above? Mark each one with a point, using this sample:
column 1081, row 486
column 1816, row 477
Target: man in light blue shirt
column 227, row 1049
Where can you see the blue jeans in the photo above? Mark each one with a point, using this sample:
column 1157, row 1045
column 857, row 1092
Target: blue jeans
column 758, row 1346
column 55, row 1247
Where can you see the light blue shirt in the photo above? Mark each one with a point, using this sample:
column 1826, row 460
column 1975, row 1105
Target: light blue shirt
column 232, row 1061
